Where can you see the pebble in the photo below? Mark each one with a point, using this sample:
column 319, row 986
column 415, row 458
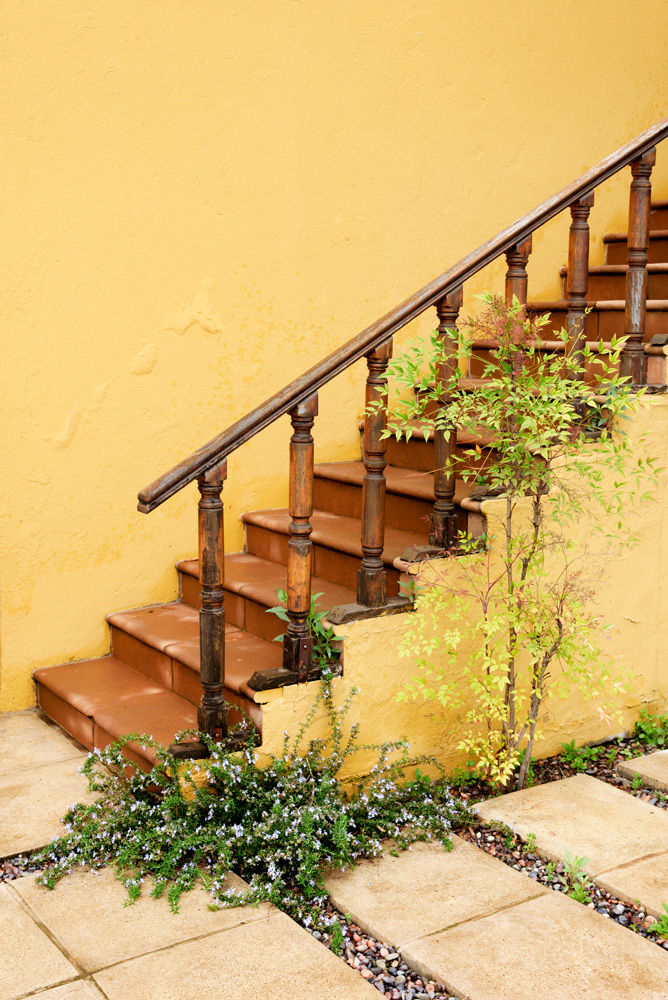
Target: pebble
column 618, row 910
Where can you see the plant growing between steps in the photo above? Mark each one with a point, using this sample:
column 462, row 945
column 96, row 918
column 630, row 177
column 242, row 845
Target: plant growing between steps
column 323, row 650
column 518, row 608
column 279, row 827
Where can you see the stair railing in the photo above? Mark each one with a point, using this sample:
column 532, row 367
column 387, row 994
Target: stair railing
column 299, row 399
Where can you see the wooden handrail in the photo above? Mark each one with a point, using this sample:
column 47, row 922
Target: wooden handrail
column 383, row 329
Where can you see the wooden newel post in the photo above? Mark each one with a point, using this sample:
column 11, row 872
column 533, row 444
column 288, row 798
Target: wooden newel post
column 576, row 280
column 633, row 361
column 212, row 714
column 444, row 517
column 371, row 581
column 297, row 642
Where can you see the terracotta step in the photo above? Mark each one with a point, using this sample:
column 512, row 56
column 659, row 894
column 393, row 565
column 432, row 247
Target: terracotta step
column 336, row 544
column 96, row 701
column 606, row 318
column 163, row 642
column 609, row 281
column 250, row 588
column 658, row 216
column 409, row 499
column 616, row 247
column 418, row 453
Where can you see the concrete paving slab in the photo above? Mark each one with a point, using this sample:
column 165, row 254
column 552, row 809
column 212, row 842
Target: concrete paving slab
column 269, row 959
column 28, row 959
column 584, row 816
column 645, row 882
column 26, row 740
column 426, row 889
column 33, row 802
column 81, row 989
column 652, row 768
column 550, row 948
column 149, row 924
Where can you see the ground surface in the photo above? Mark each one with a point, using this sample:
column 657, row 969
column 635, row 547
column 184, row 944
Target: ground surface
column 415, row 921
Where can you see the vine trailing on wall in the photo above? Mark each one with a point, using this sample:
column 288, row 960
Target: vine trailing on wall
column 280, row 827
column 518, row 603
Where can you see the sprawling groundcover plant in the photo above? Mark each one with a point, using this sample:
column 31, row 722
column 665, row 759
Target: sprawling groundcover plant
column 279, row 827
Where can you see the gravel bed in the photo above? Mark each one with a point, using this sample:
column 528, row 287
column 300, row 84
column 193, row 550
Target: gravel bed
column 509, row 848
column 15, row 867
column 380, row 964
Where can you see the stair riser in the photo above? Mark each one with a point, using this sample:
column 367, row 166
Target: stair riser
column 605, row 323
column 82, row 727
column 146, row 659
column 239, row 611
column 187, row 685
column 418, row 454
column 658, row 218
column 75, row 723
column 331, row 564
column 408, row 513
column 171, row 673
column 613, row 286
column 616, row 253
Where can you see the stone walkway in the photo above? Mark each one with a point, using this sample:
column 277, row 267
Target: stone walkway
column 79, row 942
column 462, row 918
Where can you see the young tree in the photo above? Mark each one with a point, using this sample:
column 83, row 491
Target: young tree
column 517, row 602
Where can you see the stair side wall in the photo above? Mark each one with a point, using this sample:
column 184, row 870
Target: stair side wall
column 632, row 598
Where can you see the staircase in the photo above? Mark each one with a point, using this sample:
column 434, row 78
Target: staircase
column 349, row 523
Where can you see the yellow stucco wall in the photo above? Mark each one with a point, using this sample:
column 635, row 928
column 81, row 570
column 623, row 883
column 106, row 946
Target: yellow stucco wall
column 200, row 200
column 630, row 598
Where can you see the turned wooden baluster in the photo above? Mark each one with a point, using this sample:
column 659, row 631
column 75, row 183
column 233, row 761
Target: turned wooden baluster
column 297, row 642
column 633, row 361
column 516, row 286
column 444, row 518
column 576, row 281
column 212, row 714
column 516, row 275
column 372, row 578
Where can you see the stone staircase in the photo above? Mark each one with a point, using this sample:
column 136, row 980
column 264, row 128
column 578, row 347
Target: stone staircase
column 150, row 681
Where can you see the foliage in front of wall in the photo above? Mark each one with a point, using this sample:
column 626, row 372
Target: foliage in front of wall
column 514, row 619
column 652, row 729
column 324, row 650
column 279, row 828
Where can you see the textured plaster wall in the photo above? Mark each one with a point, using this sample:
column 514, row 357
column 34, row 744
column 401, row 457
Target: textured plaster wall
column 630, row 598
column 200, row 200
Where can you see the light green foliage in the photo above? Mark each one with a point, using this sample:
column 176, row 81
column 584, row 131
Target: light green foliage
column 575, row 878
column 280, row 827
column 660, row 928
column 529, row 843
column 513, row 618
column 652, row 729
column 324, row 638
column 636, row 782
column 338, row 940
column 579, row 758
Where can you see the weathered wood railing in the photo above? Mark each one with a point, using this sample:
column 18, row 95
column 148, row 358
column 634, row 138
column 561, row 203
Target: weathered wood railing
column 299, row 399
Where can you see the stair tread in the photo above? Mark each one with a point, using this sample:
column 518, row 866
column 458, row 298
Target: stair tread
column 660, row 234
column 407, row 482
column 657, row 268
column 174, row 630
column 89, row 685
column 257, row 578
column 336, row 531
column 601, row 304
column 160, row 625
